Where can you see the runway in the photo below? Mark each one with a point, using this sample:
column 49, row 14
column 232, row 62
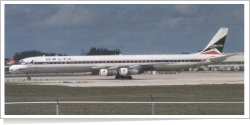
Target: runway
column 184, row 78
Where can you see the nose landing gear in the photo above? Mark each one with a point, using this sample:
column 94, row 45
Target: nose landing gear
column 28, row 77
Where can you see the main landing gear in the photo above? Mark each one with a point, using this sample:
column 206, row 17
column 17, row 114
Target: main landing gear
column 123, row 77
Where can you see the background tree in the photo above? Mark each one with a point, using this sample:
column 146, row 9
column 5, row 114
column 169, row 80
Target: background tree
column 20, row 55
column 185, row 53
column 103, row 51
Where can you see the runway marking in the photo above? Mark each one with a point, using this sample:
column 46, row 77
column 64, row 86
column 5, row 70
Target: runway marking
column 87, row 102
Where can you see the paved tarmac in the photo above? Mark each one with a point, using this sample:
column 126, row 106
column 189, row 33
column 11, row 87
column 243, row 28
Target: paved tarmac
column 184, row 78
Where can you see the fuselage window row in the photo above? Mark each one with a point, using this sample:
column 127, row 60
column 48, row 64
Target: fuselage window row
column 131, row 61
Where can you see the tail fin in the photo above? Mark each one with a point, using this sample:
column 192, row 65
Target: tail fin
column 216, row 45
column 11, row 60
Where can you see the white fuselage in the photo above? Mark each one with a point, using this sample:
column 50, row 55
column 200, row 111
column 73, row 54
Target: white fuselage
column 70, row 64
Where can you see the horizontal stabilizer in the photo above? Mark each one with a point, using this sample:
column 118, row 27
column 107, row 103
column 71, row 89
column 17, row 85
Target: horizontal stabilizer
column 221, row 58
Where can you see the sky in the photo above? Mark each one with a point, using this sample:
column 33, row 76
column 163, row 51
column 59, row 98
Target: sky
column 134, row 29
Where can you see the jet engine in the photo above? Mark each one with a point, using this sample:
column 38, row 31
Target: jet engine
column 126, row 71
column 108, row 72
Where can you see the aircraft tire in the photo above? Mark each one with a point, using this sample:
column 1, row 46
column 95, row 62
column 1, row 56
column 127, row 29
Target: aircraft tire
column 129, row 77
column 123, row 77
column 117, row 77
column 28, row 78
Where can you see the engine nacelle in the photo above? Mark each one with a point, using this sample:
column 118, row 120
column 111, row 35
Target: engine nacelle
column 108, row 72
column 126, row 71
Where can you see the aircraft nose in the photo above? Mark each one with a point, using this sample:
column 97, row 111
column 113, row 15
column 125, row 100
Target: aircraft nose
column 15, row 69
column 11, row 69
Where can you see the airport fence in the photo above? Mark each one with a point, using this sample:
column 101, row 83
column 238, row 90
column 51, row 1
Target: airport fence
column 123, row 108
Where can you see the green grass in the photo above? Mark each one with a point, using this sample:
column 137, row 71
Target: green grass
column 224, row 92
column 175, row 93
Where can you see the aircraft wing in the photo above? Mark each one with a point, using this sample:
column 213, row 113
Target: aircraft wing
column 148, row 65
column 107, row 67
column 137, row 66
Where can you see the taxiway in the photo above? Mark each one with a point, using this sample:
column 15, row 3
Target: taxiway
column 193, row 78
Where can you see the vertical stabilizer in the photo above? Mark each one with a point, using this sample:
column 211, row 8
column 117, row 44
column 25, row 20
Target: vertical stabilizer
column 216, row 45
column 11, row 60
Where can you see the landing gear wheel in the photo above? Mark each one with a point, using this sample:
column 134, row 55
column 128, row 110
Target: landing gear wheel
column 123, row 77
column 129, row 77
column 117, row 77
column 126, row 77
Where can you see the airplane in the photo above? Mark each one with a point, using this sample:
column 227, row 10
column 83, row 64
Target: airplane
column 123, row 66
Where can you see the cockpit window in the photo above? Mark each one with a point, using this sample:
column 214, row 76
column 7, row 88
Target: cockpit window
column 27, row 62
column 20, row 62
column 24, row 63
